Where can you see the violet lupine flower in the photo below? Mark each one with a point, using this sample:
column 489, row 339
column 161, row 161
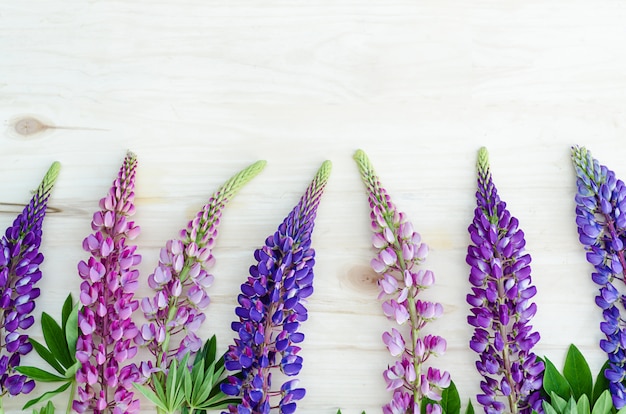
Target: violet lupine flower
column 400, row 252
column 106, row 294
column 501, row 307
column 271, row 310
column 181, row 279
column 19, row 272
column 601, row 219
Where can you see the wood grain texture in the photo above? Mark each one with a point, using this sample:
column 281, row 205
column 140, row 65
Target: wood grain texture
column 200, row 89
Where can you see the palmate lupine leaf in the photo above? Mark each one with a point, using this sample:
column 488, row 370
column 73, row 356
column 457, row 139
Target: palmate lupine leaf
column 61, row 356
column 206, row 376
column 575, row 386
column 48, row 409
column 271, row 310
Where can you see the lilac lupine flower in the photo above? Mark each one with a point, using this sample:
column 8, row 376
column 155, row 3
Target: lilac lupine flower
column 601, row 220
column 400, row 252
column 181, row 279
column 271, row 310
column 19, row 272
column 501, row 304
column 105, row 340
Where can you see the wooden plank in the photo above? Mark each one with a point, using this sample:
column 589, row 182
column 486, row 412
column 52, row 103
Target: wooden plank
column 200, row 89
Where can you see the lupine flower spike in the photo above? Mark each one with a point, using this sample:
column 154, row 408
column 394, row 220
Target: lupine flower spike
column 501, row 307
column 601, row 220
column 271, row 310
column 19, row 272
column 180, row 281
column 106, row 295
column 400, row 252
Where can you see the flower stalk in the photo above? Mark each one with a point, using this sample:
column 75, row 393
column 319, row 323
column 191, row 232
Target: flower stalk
column 20, row 260
column 271, row 310
column 501, row 304
column 601, row 220
column 180, row 280
column 106, row 294
column 400, row 251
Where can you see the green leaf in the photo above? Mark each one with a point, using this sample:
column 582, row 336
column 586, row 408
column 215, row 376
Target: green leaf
column 604, row 404
column 470, row 408
column 577, row 373
column 570, row 408
column 218, row 403
column 47, row 356
column 557, row 402
column 621, row 410
column 582, row 406
column 150, row 395
column 211, row 351
column 39, row 374
column 70, row 373
column 170, row 384
column 47, row 395
column 70, row 329
column 548, row 409
column 601, row 385
column 187, row 385
column 554, row 382
column 48, row 409
column 66, row 310
column 450, row 401
column 158, row 388
column 55, row 339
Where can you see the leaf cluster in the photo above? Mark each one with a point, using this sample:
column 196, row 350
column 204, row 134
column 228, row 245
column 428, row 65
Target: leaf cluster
column 573, row 391
column 46, row 409
column 59, row 352
column 190, row 389
column 450, row 402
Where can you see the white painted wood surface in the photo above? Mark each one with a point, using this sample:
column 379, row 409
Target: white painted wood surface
column 199, row 89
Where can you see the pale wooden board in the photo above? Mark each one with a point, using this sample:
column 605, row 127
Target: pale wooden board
column 200, row 89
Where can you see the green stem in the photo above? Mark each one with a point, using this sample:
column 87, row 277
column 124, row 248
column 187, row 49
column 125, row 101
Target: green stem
column 71, row 399
column 513, row 398
column 417, row 362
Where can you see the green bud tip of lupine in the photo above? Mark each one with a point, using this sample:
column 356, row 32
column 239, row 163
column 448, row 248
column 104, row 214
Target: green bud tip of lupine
column 365, row 166
column 581, row 156
column 237, row 181
column 49, row 179
column 482, row 164
column 321, row 178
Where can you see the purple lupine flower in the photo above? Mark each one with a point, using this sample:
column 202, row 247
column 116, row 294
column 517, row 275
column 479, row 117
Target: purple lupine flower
column 400, row 252
column 105, row 340
column 501, row 304
column 181, row 279
column 601, row 219
column 19, row 272
column 271, row 309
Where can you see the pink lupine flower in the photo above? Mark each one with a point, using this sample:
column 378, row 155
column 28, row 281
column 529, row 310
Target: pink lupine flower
column 176, row 311
column 181, row 278
column 109, row 281
column 400, row 252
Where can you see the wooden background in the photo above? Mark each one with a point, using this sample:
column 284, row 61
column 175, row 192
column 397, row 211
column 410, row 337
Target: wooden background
column 201, row 88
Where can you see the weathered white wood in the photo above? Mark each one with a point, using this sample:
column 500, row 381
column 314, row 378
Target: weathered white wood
column 200, row 89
